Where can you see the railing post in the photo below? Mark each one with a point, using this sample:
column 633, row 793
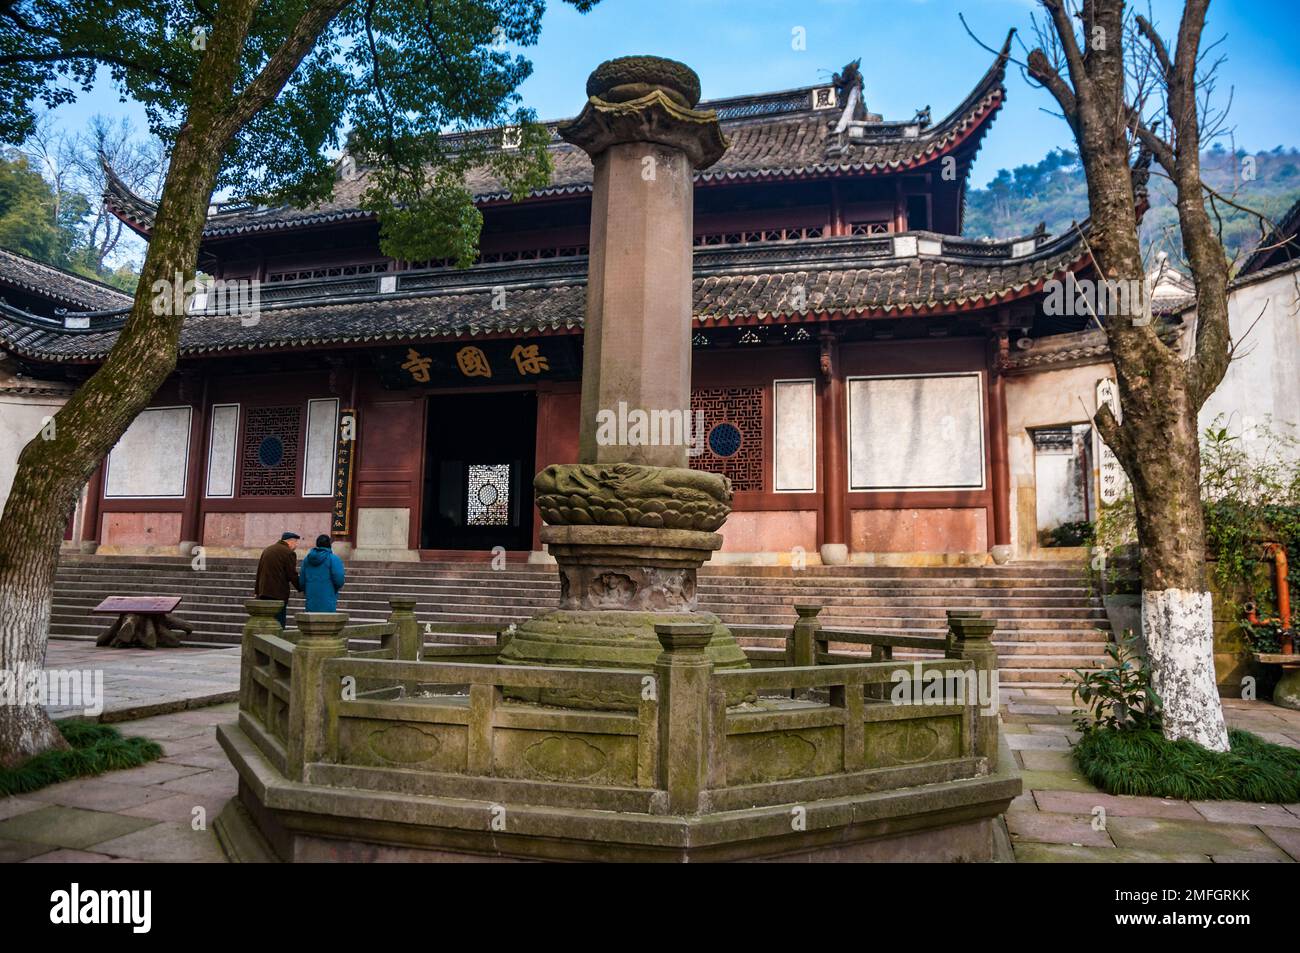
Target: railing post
column 969, row 638
column 684, row 673
column 313, row 706
column 801, row 647
column 261, row 621
column 406, row 641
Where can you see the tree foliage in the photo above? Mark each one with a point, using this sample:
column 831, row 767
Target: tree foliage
column 32, row 222
column 382, row 82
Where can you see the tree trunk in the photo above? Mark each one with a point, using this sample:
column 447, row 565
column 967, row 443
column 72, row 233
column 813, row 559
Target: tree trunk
column 1160, row 391
column 1177, row 616
column 54, row 467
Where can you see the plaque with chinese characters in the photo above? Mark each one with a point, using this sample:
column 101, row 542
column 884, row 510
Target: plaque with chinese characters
column 503, row 361
column 341, row 517
column 1110, row 475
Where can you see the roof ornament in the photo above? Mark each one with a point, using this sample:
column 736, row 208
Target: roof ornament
column 848, row 84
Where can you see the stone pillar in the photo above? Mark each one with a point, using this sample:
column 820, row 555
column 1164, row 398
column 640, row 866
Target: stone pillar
column 969, row 638
column 683, row 672
column 312, row 704
column 645, row 139
column 630, row 523
column 261, row 621
column 802, row 647
column 407, row 640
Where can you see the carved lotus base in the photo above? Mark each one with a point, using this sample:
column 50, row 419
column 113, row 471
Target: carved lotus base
column 630, row 494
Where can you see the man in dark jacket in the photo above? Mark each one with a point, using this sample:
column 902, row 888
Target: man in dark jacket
column 321, row 577
column 277, row 570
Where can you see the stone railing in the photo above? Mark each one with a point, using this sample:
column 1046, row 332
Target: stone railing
column 829, row 725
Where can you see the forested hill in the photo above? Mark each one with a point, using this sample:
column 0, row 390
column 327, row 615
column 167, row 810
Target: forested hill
column 1054, row 191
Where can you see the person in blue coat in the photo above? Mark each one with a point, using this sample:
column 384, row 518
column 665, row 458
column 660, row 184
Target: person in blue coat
column 321, row 577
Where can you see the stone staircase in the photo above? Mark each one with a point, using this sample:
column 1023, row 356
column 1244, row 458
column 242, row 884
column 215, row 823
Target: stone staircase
column 1049, row 621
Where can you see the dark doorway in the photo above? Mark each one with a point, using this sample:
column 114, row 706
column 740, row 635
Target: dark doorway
column 478, row 472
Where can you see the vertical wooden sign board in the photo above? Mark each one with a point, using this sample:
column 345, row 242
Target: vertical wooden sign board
column 1110, row 475
column 341, row 519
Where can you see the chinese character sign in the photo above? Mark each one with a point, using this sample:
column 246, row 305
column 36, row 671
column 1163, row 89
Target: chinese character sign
column 1109, row 473
column 496, row 361
column 341, row 516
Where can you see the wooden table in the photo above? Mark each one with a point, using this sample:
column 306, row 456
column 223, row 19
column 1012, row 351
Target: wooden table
column 142, row 622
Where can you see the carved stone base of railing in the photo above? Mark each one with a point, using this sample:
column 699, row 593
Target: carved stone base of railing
column 616, row 584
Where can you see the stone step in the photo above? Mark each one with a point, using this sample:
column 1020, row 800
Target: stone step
column 1047, row 619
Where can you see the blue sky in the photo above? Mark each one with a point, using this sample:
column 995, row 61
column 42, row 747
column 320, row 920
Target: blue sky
column 914, row 53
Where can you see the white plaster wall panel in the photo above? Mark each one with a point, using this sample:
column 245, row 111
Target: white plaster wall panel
column 322, row 438
column 914, row 433
column 222, row 450
column 152, row 457
column 1262, row 386
column 21, row 419
column 795, row 443
column 1059, row 500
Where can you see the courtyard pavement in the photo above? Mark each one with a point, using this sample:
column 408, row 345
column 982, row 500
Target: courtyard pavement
column 1056, row 818
column 140, row 682
column 164, row 811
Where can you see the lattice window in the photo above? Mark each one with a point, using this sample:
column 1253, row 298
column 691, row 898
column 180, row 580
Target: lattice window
column 332, row 271
column 797, row 234
column 487, row 495
column 497, row 257
column 733, row 434
column 869, row 228
column 270, row 451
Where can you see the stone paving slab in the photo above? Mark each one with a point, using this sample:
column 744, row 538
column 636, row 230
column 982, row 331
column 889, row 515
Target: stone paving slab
column 141, row 682
column 59, row 826
column 1041, row 742
column 1288, row 838
column 1044, row 828
column 167, row 841
column 1081, row 802
column 1244, row 812
column 1069, row 854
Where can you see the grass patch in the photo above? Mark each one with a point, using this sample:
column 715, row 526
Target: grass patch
column 95, row 748
column 1142, row 762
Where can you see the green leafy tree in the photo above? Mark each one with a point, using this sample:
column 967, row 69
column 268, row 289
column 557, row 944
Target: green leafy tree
column 32, row 222
column 255, row 97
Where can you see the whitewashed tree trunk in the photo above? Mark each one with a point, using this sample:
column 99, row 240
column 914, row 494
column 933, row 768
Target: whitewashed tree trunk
column 1178, row 628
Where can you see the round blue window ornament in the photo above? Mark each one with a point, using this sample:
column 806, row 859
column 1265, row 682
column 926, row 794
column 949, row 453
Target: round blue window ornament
column 725, row 440
column 270, row 452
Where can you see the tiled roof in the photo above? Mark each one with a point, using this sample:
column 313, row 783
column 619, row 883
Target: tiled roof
column 773, row 135
column 1280, row 245
column 787, row 282
column 62, row 289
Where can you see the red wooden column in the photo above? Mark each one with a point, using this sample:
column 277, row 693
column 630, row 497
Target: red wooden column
column 834, row 548
column 194, row 391
column 1000, row 477
column 90, row 519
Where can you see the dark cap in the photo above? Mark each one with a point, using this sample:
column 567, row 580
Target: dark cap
column 284, row 536
column 323, row 542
